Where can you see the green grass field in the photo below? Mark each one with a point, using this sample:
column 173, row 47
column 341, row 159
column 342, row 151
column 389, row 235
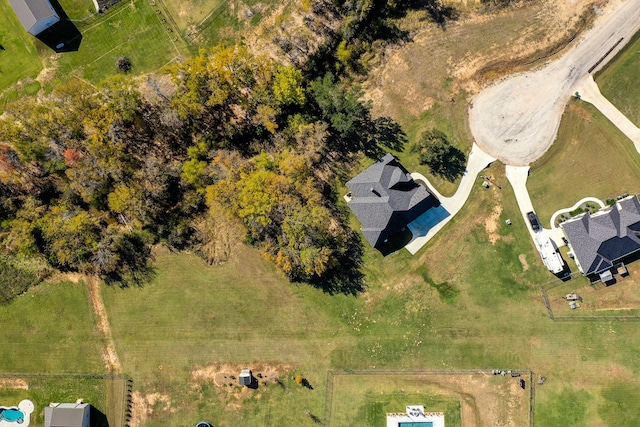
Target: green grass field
column 193, row 317
column 618, row 81
column 132, row 29
column 67, row 388
column 19, row 58
column 49, row 329
column 590, row 157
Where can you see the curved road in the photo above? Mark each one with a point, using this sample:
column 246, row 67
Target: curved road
column 516, row 120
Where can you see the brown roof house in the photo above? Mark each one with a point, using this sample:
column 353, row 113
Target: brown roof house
column 67, row 415
column 35, row 15
column 601, row 240
column 385, row 199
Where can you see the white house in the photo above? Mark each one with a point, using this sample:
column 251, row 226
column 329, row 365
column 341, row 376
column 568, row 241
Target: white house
column 35, row 15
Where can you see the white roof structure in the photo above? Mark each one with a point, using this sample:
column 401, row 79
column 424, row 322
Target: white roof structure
column 415, row 415
column 35, row 15
column 548, row 252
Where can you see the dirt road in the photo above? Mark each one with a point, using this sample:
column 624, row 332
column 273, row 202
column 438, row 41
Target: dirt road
column 517, row 119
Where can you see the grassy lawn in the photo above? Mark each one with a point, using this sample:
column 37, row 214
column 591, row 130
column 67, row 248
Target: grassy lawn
column 618, row 81
column 19, row 58
column 49, row 329
column 364, row 399
column 44, row 389
column 582, row 162
column 131, row 29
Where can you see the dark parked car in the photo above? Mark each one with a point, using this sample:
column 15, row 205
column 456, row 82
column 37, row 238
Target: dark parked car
column 533, row 219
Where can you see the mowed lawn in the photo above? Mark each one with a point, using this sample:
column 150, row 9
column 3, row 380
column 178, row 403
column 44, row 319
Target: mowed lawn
column 618, row 81
column 590, row 157
column 19, row 58
column 50, row 329
column 193, row 316
column 130, row 29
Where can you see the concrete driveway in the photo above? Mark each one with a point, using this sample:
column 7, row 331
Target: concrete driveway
column 427, row 225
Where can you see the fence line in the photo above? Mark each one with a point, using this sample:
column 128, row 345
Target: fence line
column 328, row 399
column 559, row 282
column 127, row 389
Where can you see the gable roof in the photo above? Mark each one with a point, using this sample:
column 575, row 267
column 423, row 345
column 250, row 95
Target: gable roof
column 385, row 198
column 601, row 239
column 66, row 415
column 30, row 12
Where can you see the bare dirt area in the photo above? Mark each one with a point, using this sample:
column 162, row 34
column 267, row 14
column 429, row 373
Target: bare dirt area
column 516, row 120
column 491, row 224
column 16, row 383
column 110, row 356
column 143, row 406
column 225, row 377
column 437, row 64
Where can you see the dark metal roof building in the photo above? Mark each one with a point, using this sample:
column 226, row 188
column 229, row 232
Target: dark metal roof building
column 600, row 240
column 385, row 199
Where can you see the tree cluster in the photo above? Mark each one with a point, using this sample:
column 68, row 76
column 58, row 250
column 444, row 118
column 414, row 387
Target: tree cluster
column 222, row 147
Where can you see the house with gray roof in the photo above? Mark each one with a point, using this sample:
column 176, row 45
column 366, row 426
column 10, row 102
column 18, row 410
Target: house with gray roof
column 67, row 415
column 385, row 199
column 35, row 15
column 601, row 240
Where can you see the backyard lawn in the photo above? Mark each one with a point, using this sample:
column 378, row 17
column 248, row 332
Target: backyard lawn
column 590, row 157
column 130, row 29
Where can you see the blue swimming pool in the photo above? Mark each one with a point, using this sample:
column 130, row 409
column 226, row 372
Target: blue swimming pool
column 417, row 424
column 12, row 415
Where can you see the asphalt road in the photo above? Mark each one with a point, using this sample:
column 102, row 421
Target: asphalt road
column 517, row 119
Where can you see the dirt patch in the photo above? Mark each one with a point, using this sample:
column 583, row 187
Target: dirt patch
column 18, row 383
column 226, row 375
column 491, row 224
column 143, row 406
column 109, row 355
column 523, row 261
column 436, row 66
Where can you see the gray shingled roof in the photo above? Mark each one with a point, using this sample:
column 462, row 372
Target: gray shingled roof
column 601, row 239
column 31, row 12
column 385, row 198
column 65, row 415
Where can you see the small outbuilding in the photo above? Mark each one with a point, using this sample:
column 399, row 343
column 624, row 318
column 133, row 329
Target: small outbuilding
column 246, row 377
column 67, row 415
column 35, row 15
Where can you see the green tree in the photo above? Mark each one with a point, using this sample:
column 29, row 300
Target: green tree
column 442, row 158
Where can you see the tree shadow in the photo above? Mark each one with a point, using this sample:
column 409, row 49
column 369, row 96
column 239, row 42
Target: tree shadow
column 455, row 165
column 346, row 277
column 63, row 36
column 98, row 419
column 131, row 279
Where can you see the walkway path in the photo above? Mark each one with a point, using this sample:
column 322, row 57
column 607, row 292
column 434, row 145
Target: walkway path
column 589, row 91
column 552, row 223
column 478, row 160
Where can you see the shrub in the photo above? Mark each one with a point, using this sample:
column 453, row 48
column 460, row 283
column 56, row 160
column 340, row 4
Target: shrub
column 123, row 64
